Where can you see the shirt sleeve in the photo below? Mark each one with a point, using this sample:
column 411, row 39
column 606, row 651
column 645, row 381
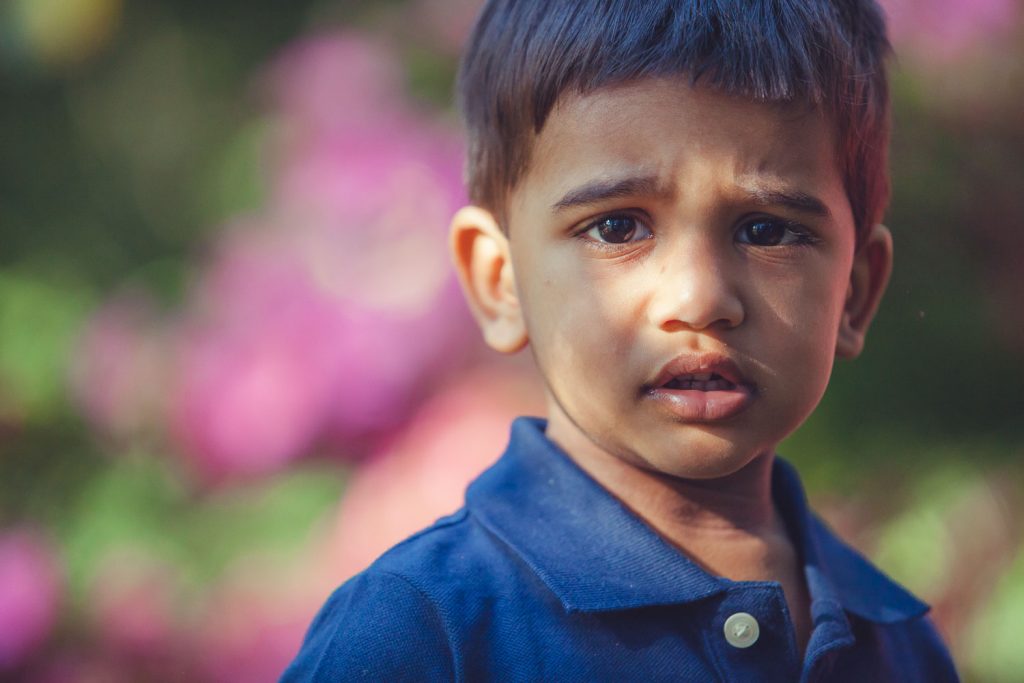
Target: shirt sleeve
column 379, row 627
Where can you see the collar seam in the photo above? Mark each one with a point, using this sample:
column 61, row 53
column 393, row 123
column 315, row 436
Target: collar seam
column 534, row 566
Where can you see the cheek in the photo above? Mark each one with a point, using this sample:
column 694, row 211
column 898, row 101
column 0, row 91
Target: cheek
column 571, row 297
column 580, row 323
column 801, row 317
column 808, row 303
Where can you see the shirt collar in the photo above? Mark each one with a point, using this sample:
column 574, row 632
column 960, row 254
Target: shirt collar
column 595, row 555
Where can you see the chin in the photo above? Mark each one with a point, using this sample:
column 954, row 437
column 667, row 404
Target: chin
column 699, row 461
column 712, row 468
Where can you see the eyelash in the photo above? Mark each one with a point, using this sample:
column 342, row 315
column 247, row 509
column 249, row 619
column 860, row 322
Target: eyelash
column 799, row 234
column 584, row 233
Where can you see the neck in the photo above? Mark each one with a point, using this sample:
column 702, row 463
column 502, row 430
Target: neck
column 739, row 502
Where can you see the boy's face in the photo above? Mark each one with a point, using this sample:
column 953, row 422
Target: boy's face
column 664, row 233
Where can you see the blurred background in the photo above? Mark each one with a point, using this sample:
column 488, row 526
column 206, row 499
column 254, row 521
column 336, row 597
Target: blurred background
column 234, row 365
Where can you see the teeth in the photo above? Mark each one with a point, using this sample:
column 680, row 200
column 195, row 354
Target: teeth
column 697, row 384
column 703, row 376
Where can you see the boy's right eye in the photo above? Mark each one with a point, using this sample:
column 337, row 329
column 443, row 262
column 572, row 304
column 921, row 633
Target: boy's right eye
column 618, row 229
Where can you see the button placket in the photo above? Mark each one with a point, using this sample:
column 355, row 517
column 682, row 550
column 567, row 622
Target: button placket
column 752, row 639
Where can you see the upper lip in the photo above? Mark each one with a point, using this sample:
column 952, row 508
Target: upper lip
column 699, row 363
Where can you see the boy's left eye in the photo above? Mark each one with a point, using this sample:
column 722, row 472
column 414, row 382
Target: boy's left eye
column 770, row 232
column 618, row 229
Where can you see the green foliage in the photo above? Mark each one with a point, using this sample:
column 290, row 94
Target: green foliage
column 915, row 546
column 234, row 183
column 995, row 654
column 39, row 320
column 139, row 501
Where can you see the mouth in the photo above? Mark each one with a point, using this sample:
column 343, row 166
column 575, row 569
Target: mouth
column 701, row 388
column 705, row 381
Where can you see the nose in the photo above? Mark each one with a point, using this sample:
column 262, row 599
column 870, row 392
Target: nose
column 696, row 290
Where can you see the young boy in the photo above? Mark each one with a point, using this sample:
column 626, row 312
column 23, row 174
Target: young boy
column 676, row 206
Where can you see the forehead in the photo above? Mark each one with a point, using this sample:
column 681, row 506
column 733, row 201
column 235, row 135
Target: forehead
column 683, row 136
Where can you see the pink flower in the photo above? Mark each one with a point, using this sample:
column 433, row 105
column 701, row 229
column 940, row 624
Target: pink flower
column 402, row 172
column 254, row 620
column 327, row 315
column 423, row 476
column 29, row 594
column 374, row 202
column 324, row 317
column 942, row 31
column 333, row 81
column 116, row 369
column 133, row 604
column 392, row 361
column 78, row 666
column 284, row 351
column 249, row 399
column 446, row 22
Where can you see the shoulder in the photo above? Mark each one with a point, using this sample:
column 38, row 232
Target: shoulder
column 376, row 626
column 919, row 651
column 398, row 619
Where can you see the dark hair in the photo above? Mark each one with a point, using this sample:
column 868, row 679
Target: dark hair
column 524, row 54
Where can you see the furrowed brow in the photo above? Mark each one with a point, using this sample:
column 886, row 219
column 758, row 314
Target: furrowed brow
column 798, row 201
column 603, row 190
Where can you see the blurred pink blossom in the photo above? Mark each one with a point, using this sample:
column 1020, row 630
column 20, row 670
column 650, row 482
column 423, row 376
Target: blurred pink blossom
column 403, row 174
column 334, row 81
column 79, row 666
column 447, row 22
column 424, row 474
column 134, row 610
column 941, row 31
column 329, row 313
column 117, row 365
column 254, row 621
column 248, row 400
column 30, row 586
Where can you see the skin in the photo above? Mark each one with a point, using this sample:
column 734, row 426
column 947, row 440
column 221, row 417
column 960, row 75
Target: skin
column 657, row 221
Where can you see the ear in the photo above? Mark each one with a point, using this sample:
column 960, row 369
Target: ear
column 872, row 264
column 480, row 251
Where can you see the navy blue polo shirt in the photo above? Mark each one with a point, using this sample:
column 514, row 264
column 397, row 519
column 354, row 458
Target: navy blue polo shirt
column 545, row 576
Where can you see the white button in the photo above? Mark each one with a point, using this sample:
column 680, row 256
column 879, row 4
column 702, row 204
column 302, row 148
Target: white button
column 741, row 630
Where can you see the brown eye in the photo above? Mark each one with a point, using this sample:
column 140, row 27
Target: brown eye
column 765, row 232
column 618, row 230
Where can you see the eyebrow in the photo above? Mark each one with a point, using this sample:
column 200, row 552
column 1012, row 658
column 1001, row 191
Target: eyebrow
column 796, row 200
column 603, row 190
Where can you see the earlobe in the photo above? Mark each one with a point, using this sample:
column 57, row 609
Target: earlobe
column 872, row 264
column 480, row 252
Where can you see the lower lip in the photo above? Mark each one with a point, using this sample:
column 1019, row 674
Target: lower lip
column 694, row 405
